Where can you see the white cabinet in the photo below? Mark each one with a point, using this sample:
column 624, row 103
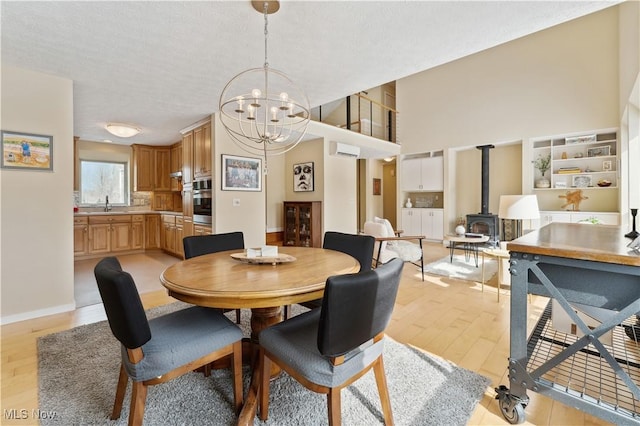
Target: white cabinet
column 427, row 222
column 423, row 174
column 548, row 217
column 411, row 222
column 604, row 218
column 432, row 224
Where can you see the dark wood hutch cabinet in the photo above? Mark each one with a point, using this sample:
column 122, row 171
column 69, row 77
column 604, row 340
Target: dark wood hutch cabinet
column 302, row 224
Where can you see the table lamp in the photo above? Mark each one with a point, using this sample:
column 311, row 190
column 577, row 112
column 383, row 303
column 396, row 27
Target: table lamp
column 518, row 208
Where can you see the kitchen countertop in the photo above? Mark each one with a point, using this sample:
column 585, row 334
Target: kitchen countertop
column 123, row 212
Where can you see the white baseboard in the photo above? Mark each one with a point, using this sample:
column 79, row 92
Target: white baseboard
column 37, row 314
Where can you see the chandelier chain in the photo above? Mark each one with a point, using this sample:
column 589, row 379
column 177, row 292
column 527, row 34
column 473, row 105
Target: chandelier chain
column 266, row 33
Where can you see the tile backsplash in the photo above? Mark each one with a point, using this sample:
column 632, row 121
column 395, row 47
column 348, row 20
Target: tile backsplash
column 425, row 200
column 140, row 200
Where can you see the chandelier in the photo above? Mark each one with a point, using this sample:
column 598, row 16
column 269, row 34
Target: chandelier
column 261, row 109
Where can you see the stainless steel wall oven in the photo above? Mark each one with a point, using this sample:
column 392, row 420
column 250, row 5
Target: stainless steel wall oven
column 202, row 201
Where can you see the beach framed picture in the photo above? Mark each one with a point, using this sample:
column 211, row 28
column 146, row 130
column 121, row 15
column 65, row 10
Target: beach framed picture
column 26, row 151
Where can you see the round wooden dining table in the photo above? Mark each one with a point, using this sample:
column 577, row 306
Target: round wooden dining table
column 219, row 280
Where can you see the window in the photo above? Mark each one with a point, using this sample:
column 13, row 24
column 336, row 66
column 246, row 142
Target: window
column 99, row 179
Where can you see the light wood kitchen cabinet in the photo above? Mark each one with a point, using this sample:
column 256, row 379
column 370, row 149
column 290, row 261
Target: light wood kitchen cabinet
column 120, row 236
column 178, row 248
column 152, row 231
column 187, row 211
column 143, row 167
column 103, row 234
column 99, row 239
column 80, row 236
column 137, row 232
column 172, row 230
column 162, row 169
column 202, row 151
column 202, row 230
column 187, row 158
column 162, row 201
column 176, row 165
column 109, row 233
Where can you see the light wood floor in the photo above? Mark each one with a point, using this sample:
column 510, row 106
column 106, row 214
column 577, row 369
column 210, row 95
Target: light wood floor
column 447, row 317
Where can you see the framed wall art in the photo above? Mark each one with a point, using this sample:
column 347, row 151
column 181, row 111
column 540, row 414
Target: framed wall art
column 26, row 151
column 598, row 151
column 377, row 186
column 581, row 181
column 580, row 139
column 303, row 177
column 241, row 173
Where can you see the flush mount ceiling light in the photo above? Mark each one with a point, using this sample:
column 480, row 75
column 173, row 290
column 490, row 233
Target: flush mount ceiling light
column 122, row 130
column 263, row 111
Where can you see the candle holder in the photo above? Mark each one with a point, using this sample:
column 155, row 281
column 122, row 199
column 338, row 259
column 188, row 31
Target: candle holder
column 633, row 233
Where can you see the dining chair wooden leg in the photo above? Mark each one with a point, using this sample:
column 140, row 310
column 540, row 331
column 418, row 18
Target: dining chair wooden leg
column 383, row 391
column 265, row 378
column 333, row 406
column 236, row 371
column 237, row 316
column 138, row 398
column 123, row 379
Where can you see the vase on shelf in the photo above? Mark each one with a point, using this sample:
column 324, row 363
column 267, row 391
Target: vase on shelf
column 543, row 183
column 408, row 203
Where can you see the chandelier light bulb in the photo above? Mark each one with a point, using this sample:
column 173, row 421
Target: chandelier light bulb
column 290, row 108
column 274, row 115
column 240, row 101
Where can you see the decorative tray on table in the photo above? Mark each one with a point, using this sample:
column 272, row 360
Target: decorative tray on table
column 273, row 260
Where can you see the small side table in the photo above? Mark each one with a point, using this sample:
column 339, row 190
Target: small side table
column 469, row 244
column 497, row 254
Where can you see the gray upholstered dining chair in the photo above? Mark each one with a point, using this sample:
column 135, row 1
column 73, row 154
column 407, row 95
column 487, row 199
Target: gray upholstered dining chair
column 198, row 245
column 359, row 247
column 329, row 348
column 163, row 348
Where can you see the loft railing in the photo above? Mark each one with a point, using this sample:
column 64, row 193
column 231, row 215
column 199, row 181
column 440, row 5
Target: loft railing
column 361, row 114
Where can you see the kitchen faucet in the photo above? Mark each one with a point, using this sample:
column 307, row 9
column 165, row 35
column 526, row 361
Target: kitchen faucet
column 107, row 207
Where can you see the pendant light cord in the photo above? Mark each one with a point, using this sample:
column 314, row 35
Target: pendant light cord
column 266, row 33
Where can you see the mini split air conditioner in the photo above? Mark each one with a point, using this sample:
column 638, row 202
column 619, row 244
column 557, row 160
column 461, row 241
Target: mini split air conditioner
column 345, row 150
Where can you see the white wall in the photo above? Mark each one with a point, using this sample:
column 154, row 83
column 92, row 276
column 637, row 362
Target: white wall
column 250, row 215
column 560, row 80
column 36, row 237
column 340, row 192
column 629, row 48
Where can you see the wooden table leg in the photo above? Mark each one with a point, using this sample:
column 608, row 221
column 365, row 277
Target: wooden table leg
column 261, row 318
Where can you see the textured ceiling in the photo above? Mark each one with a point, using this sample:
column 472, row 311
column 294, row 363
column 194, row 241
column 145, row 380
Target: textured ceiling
column 163, row 65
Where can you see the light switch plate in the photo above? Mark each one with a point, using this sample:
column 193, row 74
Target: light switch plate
column 236, row 202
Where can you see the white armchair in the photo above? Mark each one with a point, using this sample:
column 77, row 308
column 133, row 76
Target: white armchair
column 389, row 245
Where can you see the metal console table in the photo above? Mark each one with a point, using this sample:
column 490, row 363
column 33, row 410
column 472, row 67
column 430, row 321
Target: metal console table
column 583, row 264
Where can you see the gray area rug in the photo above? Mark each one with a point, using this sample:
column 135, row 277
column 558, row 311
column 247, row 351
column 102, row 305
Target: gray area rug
column 463, row 269
column 78, row 369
